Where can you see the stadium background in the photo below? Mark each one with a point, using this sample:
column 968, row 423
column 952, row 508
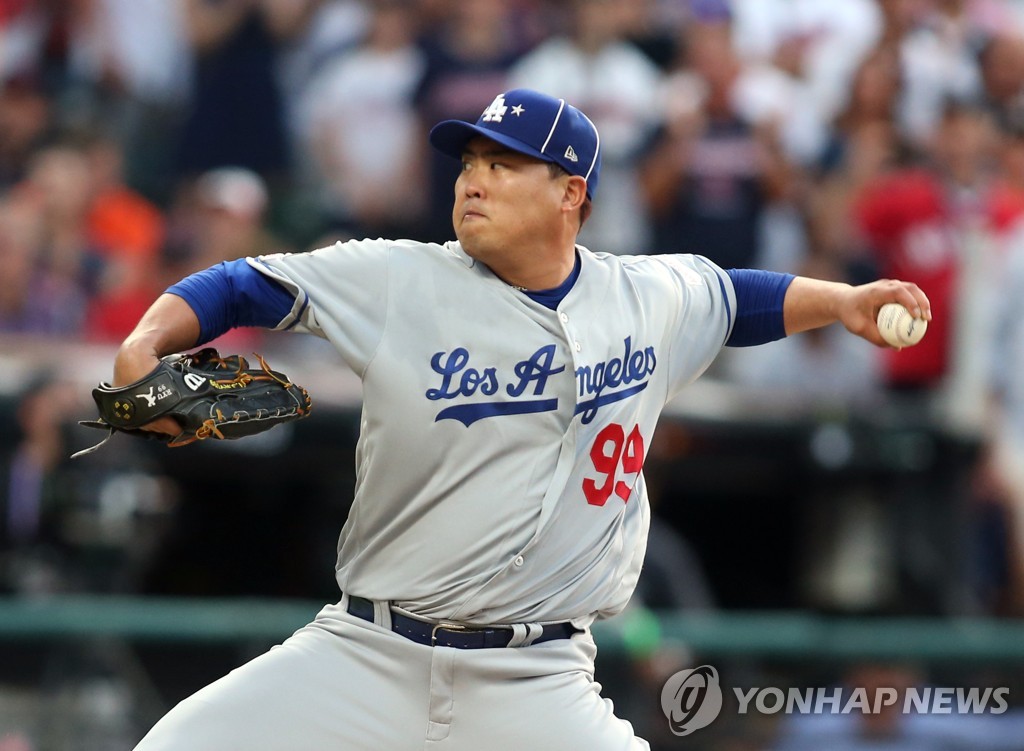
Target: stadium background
column 825, row 514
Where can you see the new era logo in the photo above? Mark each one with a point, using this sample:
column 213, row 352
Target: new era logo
column 571, row 155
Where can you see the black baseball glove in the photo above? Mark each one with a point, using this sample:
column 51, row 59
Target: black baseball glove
column 208, row 395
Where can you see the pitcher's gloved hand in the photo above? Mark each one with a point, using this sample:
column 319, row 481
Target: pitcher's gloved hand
column 208, row 395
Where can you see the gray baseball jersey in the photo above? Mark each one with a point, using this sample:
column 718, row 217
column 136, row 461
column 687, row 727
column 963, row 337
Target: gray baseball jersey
column 502, row 442
column 499, row 482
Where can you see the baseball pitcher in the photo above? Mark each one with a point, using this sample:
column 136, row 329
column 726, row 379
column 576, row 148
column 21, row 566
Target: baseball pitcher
column 512, row 381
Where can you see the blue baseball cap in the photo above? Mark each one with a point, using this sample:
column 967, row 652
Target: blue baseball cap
column 534, row 124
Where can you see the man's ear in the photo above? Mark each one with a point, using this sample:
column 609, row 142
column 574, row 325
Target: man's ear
column 575, row 193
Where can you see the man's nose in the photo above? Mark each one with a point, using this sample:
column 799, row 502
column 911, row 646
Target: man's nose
column 472, row 185
column 472, row 188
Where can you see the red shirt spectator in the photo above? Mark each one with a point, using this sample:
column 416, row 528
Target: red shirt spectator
column 916, row 230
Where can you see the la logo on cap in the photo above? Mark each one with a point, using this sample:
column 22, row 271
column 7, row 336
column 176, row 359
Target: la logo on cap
column 495, row 111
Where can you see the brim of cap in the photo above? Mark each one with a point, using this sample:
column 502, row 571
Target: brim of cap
column 451, row 136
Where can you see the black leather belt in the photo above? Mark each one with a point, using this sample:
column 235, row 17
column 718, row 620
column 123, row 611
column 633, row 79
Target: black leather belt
column 453, row 635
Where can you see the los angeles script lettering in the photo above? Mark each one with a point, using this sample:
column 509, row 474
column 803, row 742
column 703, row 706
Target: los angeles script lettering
column 597, row 385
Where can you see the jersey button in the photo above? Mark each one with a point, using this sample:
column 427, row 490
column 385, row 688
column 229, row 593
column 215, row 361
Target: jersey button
column 564, row 317
column 519, row 561
column 578, row 346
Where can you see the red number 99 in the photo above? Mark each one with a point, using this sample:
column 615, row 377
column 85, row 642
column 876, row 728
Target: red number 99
column 611, row 448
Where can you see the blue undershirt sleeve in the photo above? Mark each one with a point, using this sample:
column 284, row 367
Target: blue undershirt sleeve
column 759, row 299
column 233, row 294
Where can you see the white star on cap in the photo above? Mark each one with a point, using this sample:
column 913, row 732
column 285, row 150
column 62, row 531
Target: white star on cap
column 517, row 110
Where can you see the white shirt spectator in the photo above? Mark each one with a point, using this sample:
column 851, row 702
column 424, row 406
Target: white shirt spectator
column 939, row 63
column 618, row 87
column 835, row 36
column 334, row 28
column 362, row 125
column 143, row 42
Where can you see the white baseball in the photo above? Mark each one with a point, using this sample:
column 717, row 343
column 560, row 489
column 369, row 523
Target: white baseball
column 898, row 327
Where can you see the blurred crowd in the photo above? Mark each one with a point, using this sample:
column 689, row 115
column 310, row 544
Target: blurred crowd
column 141, row 140
column 144, row 139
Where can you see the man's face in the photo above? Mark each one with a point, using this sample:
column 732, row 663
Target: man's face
column 505, row 202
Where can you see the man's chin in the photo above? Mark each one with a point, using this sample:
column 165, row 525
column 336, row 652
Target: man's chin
column 471, row 243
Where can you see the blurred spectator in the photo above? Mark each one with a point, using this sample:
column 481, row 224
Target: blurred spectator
column 1001, row 59
column 818, row 45
column 136, row 49
column 711, row 174
column 57, row 192
column 320, row 31
column 1008, row 187
column 939, row 60
column 236, row 115
column 24, row 122
column 363, row 134
column 129, row 66
column 96, row 235
column 32, row 298
column 128, row 234
column 763, row 29
column 594, row 67
column 872, row 102
column 653, row 27
column 121, row 221
column 467, row 57
column 864, row 144
column 933, row 224
column 220, row 217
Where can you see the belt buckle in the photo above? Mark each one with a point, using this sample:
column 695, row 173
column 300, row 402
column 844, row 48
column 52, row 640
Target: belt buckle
column 447, row 627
